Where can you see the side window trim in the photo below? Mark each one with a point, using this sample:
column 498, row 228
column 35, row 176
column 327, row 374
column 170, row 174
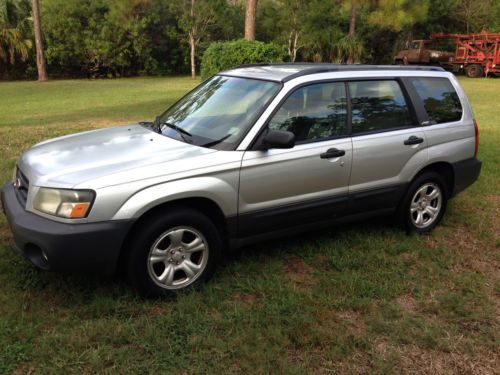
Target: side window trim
column 408, row 100
column 417, row 113
column 426, row 119
column 417, row 103
column 258, row 138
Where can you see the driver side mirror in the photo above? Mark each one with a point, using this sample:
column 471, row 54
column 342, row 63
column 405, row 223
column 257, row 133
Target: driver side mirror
column 278, row 139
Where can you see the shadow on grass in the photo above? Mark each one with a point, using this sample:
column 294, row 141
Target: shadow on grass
column 76, row 289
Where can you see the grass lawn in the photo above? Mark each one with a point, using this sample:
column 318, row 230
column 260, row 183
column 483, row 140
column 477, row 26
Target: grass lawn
column 362, row 298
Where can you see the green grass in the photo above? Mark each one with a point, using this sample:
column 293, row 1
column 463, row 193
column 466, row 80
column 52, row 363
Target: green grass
column 359, row 298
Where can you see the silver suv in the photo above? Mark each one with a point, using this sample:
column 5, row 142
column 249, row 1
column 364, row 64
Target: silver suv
column 252, row 153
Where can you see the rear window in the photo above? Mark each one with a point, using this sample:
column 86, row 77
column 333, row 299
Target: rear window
column 440, row 99
column 378, row 106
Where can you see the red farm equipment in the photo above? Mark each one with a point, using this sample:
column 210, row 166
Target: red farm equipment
column 476, row 54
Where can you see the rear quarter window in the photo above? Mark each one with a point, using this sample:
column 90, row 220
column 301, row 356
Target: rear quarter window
column 440, row 99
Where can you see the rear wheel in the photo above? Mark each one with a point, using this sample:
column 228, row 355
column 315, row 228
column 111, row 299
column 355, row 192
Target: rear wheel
column 474, row 71
column 424, row 204
column 172, row 253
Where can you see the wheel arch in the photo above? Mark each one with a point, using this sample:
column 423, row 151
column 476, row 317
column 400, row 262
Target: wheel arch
column 203, row 205
column 445, row 170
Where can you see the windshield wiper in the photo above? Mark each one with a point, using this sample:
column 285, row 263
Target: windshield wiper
column 179, row 130
column 217, row 141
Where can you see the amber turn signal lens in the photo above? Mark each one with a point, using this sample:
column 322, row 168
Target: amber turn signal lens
column 79, row 210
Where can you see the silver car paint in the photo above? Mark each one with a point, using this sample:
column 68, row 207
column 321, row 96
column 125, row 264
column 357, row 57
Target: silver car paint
column 133, row 169
column 278, row 177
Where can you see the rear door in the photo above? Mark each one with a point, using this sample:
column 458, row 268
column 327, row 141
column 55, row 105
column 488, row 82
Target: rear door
column 388, row 144
column 280, row 188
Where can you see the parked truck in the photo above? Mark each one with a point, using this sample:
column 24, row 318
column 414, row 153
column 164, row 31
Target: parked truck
column 475, row 54
column 422, row 52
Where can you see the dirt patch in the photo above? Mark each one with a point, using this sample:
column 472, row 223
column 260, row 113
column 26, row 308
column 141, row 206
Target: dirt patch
column 407, row 303
column 249, row 299
column 474, row 255
column 415, row 360
column 5, row 234
column 298, row 271
column 26, row 369
column 354, row 321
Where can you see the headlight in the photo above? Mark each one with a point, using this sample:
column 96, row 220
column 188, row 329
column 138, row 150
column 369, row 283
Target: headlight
column 70, row 204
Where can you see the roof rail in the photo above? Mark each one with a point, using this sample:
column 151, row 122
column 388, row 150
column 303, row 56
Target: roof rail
column 325, row 68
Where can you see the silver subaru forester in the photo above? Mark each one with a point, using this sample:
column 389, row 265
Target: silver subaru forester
column 252, row 153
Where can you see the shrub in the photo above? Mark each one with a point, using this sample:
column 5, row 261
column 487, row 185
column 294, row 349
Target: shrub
column 225, row 55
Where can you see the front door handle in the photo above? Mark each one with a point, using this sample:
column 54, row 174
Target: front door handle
column 413, row 140
column 332, row 153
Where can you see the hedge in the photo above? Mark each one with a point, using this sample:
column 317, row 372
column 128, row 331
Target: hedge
column 225, row 55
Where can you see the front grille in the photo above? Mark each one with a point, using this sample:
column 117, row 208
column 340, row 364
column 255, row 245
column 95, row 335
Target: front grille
column 21, row 184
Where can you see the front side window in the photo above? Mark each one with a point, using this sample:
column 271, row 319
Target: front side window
column 378, row 106
column 219, row 112
column 314, row 112
column 440, row 99
column 415, row 45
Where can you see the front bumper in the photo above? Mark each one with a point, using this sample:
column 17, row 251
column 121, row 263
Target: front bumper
column 50, row 245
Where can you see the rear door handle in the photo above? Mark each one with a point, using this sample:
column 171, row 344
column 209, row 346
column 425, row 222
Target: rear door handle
column 413, row 140
column 332, row 153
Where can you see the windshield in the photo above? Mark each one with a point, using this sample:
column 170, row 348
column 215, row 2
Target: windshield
column 219, row 112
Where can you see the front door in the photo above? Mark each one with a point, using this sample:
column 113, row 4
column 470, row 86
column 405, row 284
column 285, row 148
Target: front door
column 309, row 182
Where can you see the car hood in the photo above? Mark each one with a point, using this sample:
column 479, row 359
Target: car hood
column 120, row 151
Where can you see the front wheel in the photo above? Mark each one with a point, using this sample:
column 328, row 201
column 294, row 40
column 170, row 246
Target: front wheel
column 424, row 204
column 173, row 252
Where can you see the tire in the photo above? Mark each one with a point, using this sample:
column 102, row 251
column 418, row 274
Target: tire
column 174, row 252
column 474, row 71
column 420, row 210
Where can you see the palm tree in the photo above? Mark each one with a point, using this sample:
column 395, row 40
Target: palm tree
column 13, row 43
column 250, row 15
column 40, row 55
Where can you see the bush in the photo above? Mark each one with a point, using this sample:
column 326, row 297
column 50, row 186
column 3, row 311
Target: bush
column 225, row 55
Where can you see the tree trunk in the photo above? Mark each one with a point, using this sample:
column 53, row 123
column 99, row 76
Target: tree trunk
column 40, row 57
column 352, row 28
column 250, row 13
column 192, row 42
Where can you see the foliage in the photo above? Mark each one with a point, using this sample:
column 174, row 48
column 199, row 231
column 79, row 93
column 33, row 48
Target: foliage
column 224, row 55
column 109, row 38
column 13, row 43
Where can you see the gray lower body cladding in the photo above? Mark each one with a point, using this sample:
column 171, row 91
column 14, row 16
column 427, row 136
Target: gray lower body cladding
column 50, row 245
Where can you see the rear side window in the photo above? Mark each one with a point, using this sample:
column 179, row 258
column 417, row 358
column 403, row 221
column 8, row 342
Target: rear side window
column 440, row 99
column 378, row 106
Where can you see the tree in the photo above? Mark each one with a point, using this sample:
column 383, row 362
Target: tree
column 13, row 43
column 474, row 14
column 397, row 15
column 196, row 17
column 292, row 23
column 250, row 16
column 40, row 56
column 350, row 45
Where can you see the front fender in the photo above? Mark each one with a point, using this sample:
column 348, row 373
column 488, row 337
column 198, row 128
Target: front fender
column 220, row 191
